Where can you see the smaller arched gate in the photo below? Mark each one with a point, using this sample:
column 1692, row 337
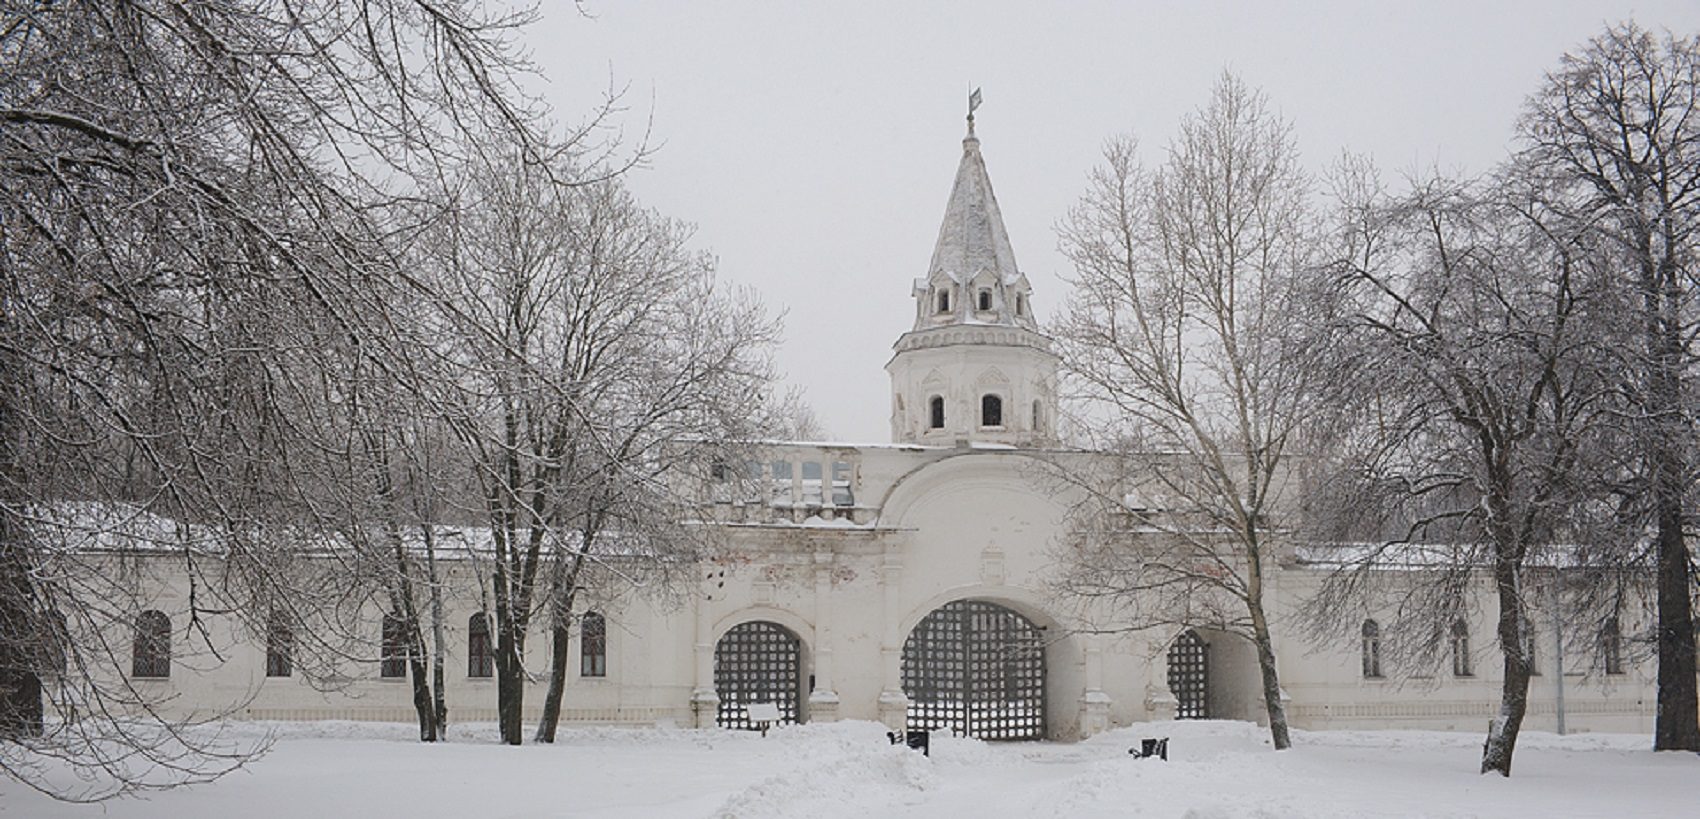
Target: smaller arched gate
column 1189, row 676
column 757, row 662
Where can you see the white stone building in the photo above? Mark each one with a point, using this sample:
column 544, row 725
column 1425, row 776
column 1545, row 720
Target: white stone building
column 908, row 579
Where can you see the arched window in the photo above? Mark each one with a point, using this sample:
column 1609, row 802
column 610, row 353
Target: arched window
column 1038, row 416
column 1611, row 646
column 393, row 659
column 1461, row 649
column 944, row 301
column 991, row 411
column 280, row 647
column 985, row 300
column 151, row 651
column 1372, row 649
column 480, row 660
column 1020, row 305
column 593, row 645
column 935, row 412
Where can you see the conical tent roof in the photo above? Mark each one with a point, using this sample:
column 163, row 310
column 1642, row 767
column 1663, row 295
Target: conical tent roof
column 972, row 238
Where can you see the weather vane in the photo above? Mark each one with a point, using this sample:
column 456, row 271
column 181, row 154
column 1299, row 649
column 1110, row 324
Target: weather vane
column 973, row 103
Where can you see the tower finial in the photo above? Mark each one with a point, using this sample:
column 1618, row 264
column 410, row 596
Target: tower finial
column 973, row 103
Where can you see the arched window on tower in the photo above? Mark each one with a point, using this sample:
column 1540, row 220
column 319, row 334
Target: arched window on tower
column 1020, row 304
column 1038, row 416
column 935, row 412
column 991, row 411
column 1372, row 649
column 944, row 301
column 985, row 300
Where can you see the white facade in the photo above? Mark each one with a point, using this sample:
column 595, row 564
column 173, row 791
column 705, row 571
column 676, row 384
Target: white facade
column 849, row 548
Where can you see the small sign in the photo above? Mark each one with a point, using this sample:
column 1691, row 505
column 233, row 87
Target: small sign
column 763, row 711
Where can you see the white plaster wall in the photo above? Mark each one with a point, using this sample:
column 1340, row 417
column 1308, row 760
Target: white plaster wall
column 937, row 524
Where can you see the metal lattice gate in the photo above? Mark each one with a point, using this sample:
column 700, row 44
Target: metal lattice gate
column 976, row 667
column 1189, row 676
column 757, row 662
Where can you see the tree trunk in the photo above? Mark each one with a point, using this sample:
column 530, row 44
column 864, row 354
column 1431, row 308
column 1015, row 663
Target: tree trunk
column 439, row 706
column 419, row 673
column 563, row 591
column 21, row 711
column 510, row 674
column 1271, row 687
column 21, row 634
column 558, row 656
column 1514, row 686
column 1677, row 725
column 1272, row 704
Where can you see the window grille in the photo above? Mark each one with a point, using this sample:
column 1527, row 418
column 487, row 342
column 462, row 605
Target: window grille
column 393, row 656
column 1372, row 649
column 593, row 645
column 977, row 667
column 480, row 660
column 151, row 650
column 280, row 648
column 1611, row 646
column 1189, row 676
column 757, row 662
column 1461, row 650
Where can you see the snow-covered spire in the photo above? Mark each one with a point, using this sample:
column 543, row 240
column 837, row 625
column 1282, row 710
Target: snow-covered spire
column 973, row 278
column 975, row 368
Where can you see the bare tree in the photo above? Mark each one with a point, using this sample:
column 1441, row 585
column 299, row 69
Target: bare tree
column 1470, row 394
column 595, row 356
column 195, row 197
column 1185, row 281
column 1615, row 133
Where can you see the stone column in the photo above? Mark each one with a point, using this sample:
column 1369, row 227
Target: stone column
column 704, row 702
column 823, row 700
column 1094, row 703
column 893, row 705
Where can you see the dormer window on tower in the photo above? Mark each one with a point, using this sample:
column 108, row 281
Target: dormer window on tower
column 944, row 301
column 985, row 299
column 1020, row 304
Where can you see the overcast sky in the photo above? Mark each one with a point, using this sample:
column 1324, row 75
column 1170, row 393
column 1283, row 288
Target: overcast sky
column 814, row 144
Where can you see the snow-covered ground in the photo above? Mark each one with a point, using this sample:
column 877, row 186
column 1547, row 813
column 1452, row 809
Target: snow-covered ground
column 1215, row 770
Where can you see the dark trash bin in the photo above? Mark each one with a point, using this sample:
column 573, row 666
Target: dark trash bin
column 1150, row 748
column 914, row 739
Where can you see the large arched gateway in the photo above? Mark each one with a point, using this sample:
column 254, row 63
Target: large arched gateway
column 977, row 667
column 757, row 662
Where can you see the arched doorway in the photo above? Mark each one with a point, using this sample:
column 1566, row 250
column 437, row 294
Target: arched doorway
column 756, row 662
column 977, row 667
column 1189, row 675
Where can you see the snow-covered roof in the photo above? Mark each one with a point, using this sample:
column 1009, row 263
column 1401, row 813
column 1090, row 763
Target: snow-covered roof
column 92, row 526
column 1423, row 556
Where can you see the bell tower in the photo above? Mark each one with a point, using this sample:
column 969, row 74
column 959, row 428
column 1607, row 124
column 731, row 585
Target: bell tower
column 975, row 365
